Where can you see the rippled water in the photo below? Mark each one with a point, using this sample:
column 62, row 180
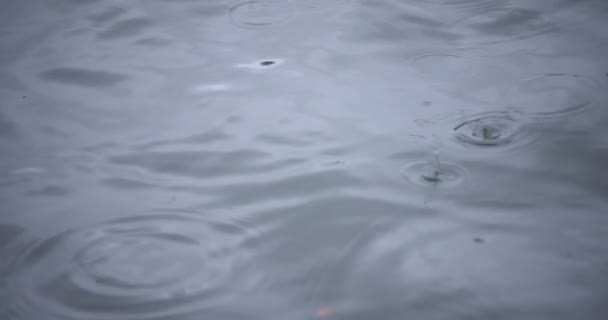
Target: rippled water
column 303, row 159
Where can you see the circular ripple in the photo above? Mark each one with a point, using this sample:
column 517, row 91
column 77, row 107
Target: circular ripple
column 491, row 129
column 455, row 256
column 441, row 65
column 552, row 95
column 503, row 25
column 260, row 14
column 497, row 131
column 144, row 267
column 425, row 173
column 437, row 261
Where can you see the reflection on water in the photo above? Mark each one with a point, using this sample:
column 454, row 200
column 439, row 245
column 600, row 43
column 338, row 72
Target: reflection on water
column 303, row 159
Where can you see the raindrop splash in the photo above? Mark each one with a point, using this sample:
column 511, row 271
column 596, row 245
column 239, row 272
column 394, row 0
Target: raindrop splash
column 493, row 130
column 434, row 173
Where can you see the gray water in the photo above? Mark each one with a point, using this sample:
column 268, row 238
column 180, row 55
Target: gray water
column 303, row 159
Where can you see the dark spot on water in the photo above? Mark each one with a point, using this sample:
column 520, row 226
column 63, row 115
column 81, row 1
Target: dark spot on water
column 83, row 77
column 125, row 28
column 23, row 97
column 427, row 103
column 479, row 240
column 50, row 191
column 267, row 63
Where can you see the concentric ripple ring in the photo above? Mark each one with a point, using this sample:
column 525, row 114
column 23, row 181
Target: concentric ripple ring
column 552, row 95
column 427, row 173
column 143, row 267
column 496, row 130
column 260, row 14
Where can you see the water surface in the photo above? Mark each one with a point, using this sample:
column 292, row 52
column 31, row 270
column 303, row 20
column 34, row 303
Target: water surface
column 303, row 159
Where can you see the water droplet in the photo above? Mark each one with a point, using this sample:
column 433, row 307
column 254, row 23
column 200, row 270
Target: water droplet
column 260, row 14
column 478, row 240
column 426, row 173
column 486, row 130
column 493, row 130
column 552, row 95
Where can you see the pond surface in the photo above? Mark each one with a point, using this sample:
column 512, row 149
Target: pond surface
column 303, row 159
